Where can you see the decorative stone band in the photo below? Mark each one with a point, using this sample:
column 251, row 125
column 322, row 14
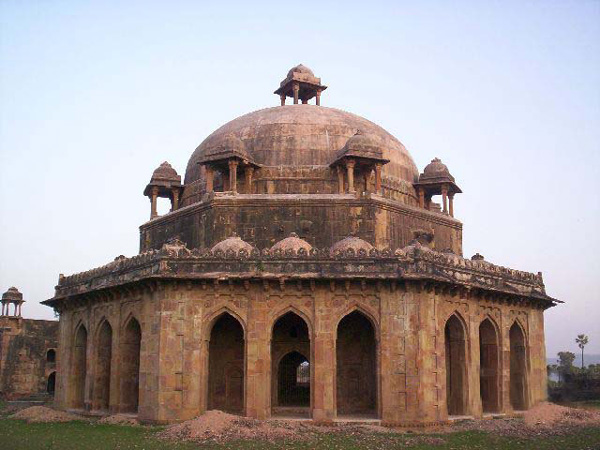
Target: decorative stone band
column 414, row 263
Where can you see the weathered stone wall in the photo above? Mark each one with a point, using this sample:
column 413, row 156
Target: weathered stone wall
column 408, row 321
column 24, row 344
column 264, row 220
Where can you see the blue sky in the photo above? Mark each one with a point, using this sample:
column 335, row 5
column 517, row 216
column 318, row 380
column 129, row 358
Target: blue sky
column 95, row 95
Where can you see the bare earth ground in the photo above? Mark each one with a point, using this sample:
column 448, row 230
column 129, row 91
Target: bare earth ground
column 216, row 429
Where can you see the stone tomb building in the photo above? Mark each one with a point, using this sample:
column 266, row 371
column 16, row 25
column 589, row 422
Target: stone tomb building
column 27, row 352
column 304, row 269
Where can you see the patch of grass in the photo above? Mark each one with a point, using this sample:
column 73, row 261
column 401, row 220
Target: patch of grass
column 586, row 404
column 18, row 435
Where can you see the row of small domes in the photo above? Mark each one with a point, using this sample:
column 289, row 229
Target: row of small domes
column 292, row 242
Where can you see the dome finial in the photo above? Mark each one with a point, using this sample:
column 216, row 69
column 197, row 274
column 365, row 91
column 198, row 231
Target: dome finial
column 300, row 84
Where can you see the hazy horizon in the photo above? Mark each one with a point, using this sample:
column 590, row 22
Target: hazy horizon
column 96, row 95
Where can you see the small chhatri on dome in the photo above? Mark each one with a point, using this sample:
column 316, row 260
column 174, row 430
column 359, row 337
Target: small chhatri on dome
column 437, row 180
column 12, row 297
column 300, row 84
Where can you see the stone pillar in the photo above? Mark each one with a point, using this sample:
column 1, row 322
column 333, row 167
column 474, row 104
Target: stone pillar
column 350, row 168
column 153, row 212
column 318, row 97
column 378, row 179
column 258, row 363
column 304, row 101
column 233, row 175
column 210, row 179
column 175, row 201
column 451, row 198
column 428, row 202
column 445, row 199
column 340, row 175
column 421, row 197
column 296, row 88
column 248, row 173
column 282, row 97
column 324, row 371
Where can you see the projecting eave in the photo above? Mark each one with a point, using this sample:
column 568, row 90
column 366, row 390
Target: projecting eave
column 413, row 264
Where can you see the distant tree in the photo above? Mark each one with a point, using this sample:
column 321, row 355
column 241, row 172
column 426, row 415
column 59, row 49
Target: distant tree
column 565, row 360
column 582, row 340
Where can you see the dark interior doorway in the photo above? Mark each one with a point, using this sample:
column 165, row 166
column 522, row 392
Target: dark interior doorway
column 456, row 367
column 489, row 380
column 226, row 365
column 518, row 368
column 356, row 378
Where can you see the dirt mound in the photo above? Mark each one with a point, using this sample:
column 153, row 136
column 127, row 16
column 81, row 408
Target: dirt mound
column 44, row 414
column 219, row 426
column 549, row 415
column 119, row 419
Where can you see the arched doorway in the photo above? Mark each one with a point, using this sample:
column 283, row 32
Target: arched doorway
column 130, row 366
column 79, row 367
column 51, row 356
column 290, row 374
column 456, row 367
column 489, row 367
column 356, row 360
column 226, row 365
column 103, row 365
column 51, row 384
column 518, row 368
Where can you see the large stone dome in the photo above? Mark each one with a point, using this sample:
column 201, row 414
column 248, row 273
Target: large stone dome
column 302, row 135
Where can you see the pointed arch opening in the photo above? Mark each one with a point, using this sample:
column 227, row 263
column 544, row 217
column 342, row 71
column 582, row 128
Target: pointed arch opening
column 456, row 366
column 51, row 383
column 129, row 386
column 101, row 397
column 489, row 367
column 226, row 365
column 79, row 367
column 356, row 366
column 290, row 366
column 518, row 368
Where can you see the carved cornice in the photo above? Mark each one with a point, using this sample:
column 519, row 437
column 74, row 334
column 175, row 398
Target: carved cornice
column 414, row 263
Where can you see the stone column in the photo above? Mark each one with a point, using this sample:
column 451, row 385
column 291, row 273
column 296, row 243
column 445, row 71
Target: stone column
column 350, row 168
column 304, row 101
column 445, row 199
column 378, row 179
column 258, row 363
column 451, row 198
column 296, row 88
column 324, row 371
column 428, row 202
column 175, row 201
column 210, row 179
column 233, row 175
column 340, row 174
column 319, row 97
column 421, row 197
column 153, row 212
column 248, row 173
column 282, row 97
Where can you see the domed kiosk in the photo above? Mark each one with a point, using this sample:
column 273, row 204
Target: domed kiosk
column 304, row 268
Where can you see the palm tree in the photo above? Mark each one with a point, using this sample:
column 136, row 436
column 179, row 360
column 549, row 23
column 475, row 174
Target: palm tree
column 582, row 340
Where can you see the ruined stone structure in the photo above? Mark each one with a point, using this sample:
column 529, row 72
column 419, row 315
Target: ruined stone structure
column 27, row 351
column 304, row 269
